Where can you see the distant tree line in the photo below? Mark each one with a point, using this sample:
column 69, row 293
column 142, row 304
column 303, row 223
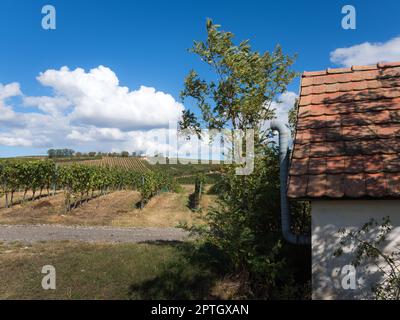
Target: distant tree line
column 60, row 153
column 69, row 153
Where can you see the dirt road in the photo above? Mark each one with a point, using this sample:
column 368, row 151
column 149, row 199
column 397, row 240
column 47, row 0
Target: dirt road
column 35, row 233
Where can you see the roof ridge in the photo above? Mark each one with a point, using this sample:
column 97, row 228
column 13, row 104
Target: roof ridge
column 380, row 65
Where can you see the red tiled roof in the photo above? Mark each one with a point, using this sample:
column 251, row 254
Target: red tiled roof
column 348, row 134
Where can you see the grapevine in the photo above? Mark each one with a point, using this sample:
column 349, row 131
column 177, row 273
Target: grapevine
column 79, row 182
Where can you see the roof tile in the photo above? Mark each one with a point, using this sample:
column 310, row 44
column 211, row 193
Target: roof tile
column 353, row 164
column 307, row 81
column 317, row 165
column 297, row 186
column 348, row 134
column 376, row 185
column 394, row 115
column 363, row 68
column 301, row 151
column 316, row 186
column 334, row 133
column 299, row 167
column 354, row 185
column 393, row 184
column 389, row 72
column 388, row 64
column 391, row 162
column 335, row 164
column 334, row 186
column 338, row 70
column 373, row 164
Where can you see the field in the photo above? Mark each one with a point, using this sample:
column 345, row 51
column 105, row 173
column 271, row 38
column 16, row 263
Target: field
column 114, row 209
column 182, row 173
column 105, row 271
column 126, row 163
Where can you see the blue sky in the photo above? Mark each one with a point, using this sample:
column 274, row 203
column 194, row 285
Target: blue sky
column 145, row 43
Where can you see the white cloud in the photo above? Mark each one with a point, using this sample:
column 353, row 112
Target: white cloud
column 282, row 107
column 13, row 141
column 99, row 100
column 97, row 134
column 9, row 90
column 7, row 115
column 367, row 53
column 50, row 105
column 88, row 111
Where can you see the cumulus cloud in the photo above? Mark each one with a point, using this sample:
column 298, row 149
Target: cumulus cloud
column 7, row 115
column 9, row 90
column 51, row 105
column 367, row 53
column 282, row 107
column 97, row 134
column 91, row 111
column 99, row 100
column 13, row 141
column 88, row 110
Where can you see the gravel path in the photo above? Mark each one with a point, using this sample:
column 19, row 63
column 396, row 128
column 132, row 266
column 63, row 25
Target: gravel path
column 34, row 233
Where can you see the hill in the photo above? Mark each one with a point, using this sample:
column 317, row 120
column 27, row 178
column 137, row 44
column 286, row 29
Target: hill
column 127, row 163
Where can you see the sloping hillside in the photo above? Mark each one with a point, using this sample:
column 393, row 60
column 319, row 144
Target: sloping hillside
column 128, row 163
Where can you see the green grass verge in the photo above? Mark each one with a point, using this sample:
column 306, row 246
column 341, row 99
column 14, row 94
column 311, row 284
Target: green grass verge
column 102, row 271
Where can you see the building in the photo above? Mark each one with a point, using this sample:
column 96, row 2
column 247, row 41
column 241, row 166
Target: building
column 346, row 161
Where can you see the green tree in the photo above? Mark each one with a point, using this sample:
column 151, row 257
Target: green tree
column 245, row 227
column 245, row 83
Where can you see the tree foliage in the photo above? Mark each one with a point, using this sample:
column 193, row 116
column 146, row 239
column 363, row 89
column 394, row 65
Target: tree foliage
column 245, row 84
column 60, row 153
column 245, row 227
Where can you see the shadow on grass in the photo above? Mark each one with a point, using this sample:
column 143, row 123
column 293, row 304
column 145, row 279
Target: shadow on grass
column 191, row 275
column 172, row 243
column 198, row 272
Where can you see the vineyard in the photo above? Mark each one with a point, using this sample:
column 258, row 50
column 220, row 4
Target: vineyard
column 125, row 163
column 79, row 182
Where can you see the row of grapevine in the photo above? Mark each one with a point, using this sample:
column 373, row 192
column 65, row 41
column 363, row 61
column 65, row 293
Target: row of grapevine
column 125, row 163
column 79, row 182
column 35, row 175
column 82, row 183
column 152, row 183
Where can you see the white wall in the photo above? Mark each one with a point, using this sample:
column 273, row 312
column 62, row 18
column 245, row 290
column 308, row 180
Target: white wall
column 328, row 216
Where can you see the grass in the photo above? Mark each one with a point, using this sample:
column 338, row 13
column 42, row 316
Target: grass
column 181, row 170
column 115, row 209
column 109, row 271
column 104, row 271
column 166, row 210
